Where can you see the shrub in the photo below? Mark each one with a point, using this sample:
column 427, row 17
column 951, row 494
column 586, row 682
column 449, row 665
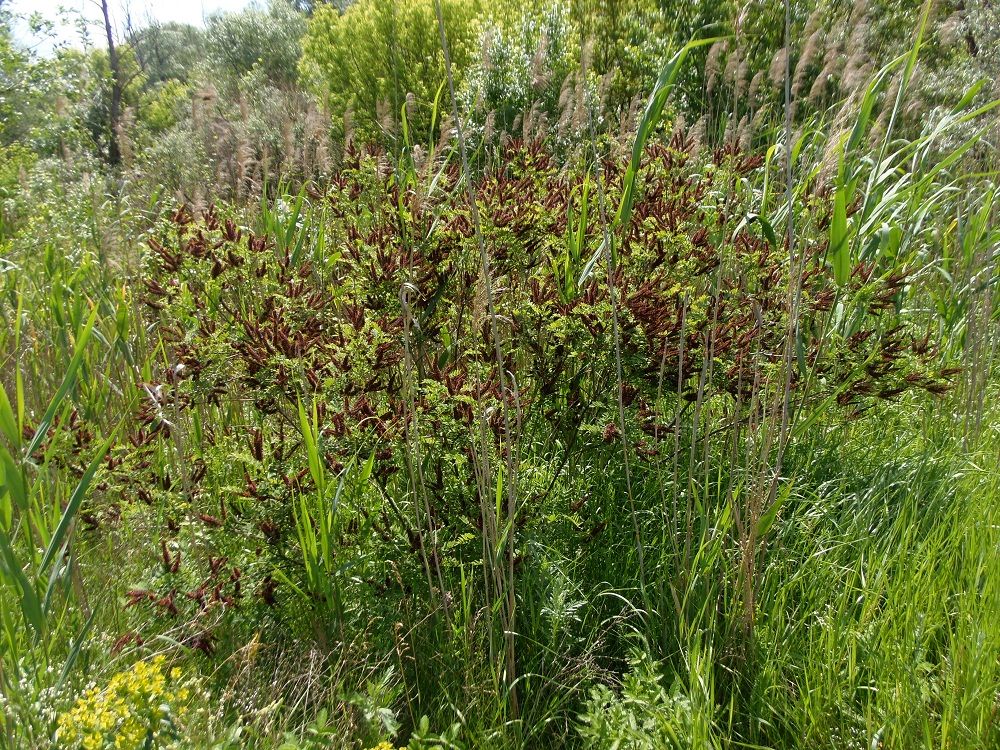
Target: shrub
column 303, row 325
column 645, row 716
column 370, row 58
column 164, row 105
column 15, row 161
column 528, row 56
column 268, row 39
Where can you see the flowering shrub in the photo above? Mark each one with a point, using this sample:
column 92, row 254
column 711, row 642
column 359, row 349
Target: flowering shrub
column 142, row 707
column 319, row 340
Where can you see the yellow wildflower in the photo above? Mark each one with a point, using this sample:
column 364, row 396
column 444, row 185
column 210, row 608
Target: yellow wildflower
column 138, row 708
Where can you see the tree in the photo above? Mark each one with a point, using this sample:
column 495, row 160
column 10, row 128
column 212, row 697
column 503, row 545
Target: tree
column 168, row 51
column 117, row 86
column 253, row 38
column 14, row 71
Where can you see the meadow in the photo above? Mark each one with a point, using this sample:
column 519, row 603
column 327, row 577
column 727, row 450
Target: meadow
column 442, row 374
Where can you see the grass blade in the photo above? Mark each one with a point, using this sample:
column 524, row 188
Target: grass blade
column 68, row 379
column 74, row 504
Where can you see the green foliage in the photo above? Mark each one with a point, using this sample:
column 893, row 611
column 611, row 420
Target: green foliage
column 15, row 161
column 371, row 57
column 528, row 57
column 39, row 98
column 164, row 106
column 33, row 632
column 13, row 63
column 173, row 51
column 95, row 98
column 628, row 41
column 268, row 40
column 646, row 716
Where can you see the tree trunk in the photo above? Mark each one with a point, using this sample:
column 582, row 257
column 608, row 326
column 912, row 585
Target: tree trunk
column 114, row 150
